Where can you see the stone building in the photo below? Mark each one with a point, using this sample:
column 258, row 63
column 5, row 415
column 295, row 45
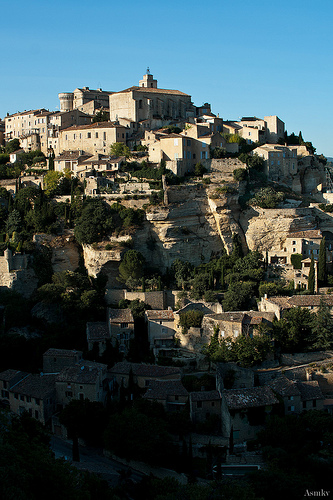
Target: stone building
column 121, row 327
column 97, row 333
column 279, row 305
column 78, row 99
column 34, row 394
column 54, row 360
column 280, row 162
column 84, row 380
column 150, row 106
column 143, row 374
column 204, row 404
column 298, row 395
column 233, row 324
column 161, row 330
column 92, row 139
column 171, row 394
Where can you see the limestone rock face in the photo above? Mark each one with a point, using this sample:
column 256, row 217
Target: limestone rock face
column 266, row 229
column 182, row 230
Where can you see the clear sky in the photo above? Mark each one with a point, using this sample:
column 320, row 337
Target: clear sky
column 246, row 58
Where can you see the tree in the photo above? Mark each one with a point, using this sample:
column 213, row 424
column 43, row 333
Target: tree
column 311, row 278
column 51, row 182
column 14, row 222
column 322, row 262
column 240, row 174
column 120, row 149
column 12, row 146
column 239, row 296
column 294, row 331
column 322, row 327
column 199, row 170
column 131, row 266
column 94, row 223
column 101, row 116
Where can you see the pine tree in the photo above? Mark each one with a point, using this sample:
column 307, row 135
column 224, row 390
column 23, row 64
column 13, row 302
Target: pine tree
column 311, row 279
column 222, row 277
column 300, row 138
column 322, row 327
column 322, row 262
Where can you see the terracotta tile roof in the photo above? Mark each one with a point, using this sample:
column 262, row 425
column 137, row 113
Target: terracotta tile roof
column 62, row 352
column 86, row 372
column 249, row 398
column 72, row 155
column 152, row 91
column 309, row 390
column 93, row 126
column 144, row 370
column 280, row 301
column 120, row 316
column 205, row 396
column 12, row 376
column 160, row 315
column 97, row 330
column 37, row 386
column 283, row 386
column 161, row 389
column 312, row 233
column 309, row 300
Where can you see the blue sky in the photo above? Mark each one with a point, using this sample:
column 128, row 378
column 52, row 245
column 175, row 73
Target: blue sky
column 245, row 58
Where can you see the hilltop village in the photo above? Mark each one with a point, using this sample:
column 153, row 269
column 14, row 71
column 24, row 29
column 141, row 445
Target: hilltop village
column 166, row 283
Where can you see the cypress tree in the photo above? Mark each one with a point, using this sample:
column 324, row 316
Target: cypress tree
column 311, row 279
column 222, row 277
column 322, row 262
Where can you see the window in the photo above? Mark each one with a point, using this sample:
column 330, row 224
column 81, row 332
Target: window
column 96, row 135
column 104, row 136
column 294, row 242
column 304, row 404
column 204, row 144
column 314, row 403
column 140, row 104
column 176, row 398
column 15, row 395
column 222, row 333
column 21, row 397
column 291, row 398
column 213, row 403
column 147, row 382
column 89, row 135
column 81, row 396
column 189, row 142
column 37, row 401
column 124, row 325
column 203, row 155
column 66, row 137
column 69, row 394
column 175, row 142
column 199, row 404
column 5, row 394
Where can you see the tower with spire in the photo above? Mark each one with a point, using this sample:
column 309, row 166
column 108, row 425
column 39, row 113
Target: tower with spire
column 148, row 80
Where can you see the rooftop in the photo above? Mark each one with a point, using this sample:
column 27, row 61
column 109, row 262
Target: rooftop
column 160, row 315
column 86, row 372
column 36, row 386
column 62, row 352
column 144, row 370
column 312, row 233
column 94, row 126
column 148, row 90
column 205, row 396
column 309, row 390
column 97, row 330
column 120, row 316
column 249, row 398
column 161, row 389
column 283, row 386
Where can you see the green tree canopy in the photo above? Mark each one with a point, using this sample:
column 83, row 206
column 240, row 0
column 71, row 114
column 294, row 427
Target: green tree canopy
column 120, row 149
column 131, row 266
column 94, row 223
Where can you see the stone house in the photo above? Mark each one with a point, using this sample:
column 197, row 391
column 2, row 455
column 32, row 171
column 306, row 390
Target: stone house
column 61, row 120
column 34, row 394
column 16, row 155
column 161, row 331
column 233, row 324
column 85, row 380
column 97, row 333
column 305, row 243
column 55, row 360
column 171, row 394
column 297, row 395
column 279, row 305
column 92, row 139
column 244, row 412
column 143, row 374
column 204, row 404
column 121, row 327
column 280, row 162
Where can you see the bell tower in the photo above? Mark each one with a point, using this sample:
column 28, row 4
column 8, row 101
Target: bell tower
column 148, row 81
